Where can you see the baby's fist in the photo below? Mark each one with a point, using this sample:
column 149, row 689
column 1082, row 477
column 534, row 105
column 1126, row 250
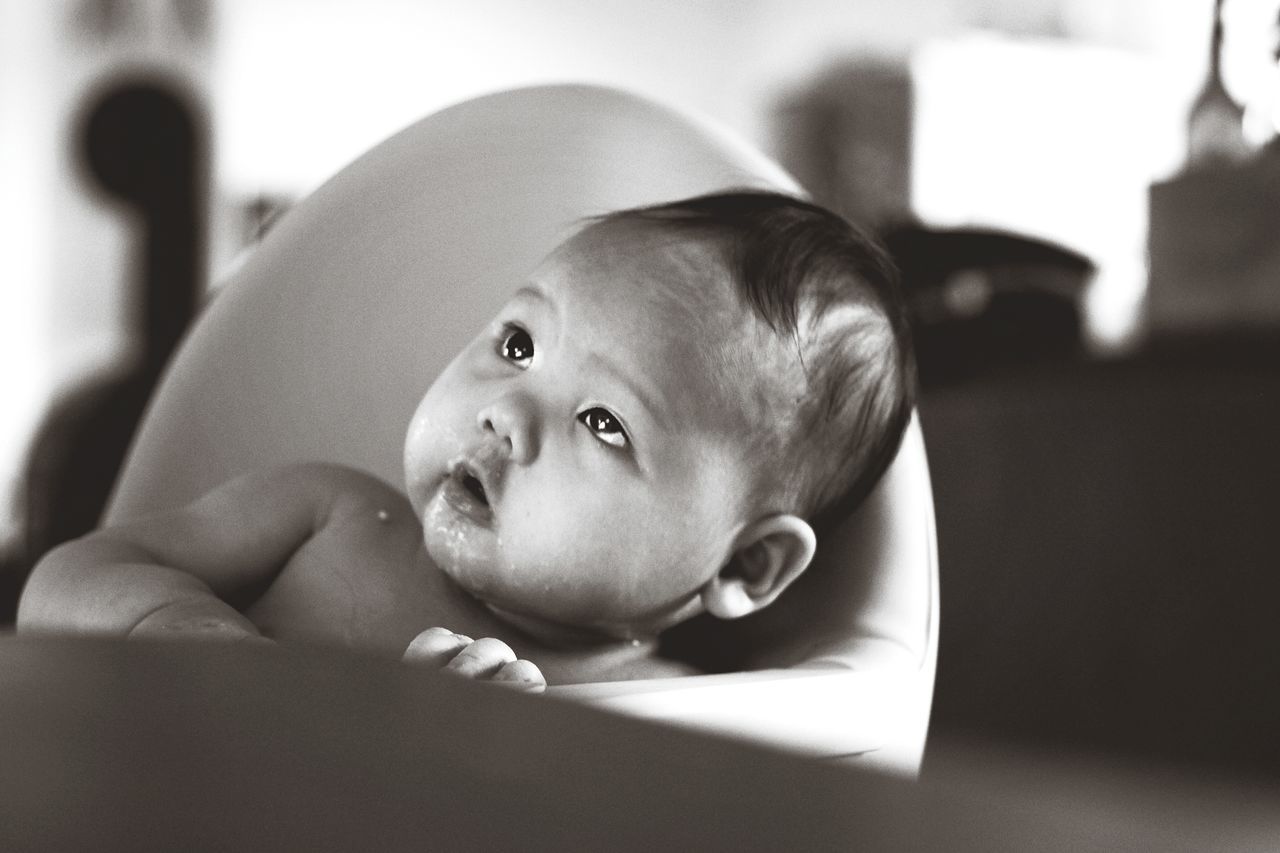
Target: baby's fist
column 486, row 659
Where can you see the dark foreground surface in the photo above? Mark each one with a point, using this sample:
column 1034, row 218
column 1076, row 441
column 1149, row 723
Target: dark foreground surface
column 135, row 746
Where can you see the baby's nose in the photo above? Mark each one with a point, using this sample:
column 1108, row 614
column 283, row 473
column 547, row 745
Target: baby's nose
column 510, row 420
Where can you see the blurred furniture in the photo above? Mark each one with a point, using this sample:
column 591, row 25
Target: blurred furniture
column 321, row 345
column 112, row 745
column 982, row 298
column 1214, row 249
column 144, row 145
column 1109, row 535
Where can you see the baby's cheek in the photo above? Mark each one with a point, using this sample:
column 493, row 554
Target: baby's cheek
column 559, row 550
column 545, row 543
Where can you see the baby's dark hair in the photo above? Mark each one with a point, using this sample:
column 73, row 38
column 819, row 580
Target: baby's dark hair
column 832, row 290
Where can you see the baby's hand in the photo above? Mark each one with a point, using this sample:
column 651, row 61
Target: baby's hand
column 204, row 618
column 486, row 659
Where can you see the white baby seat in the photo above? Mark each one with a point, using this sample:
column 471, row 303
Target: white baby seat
column 321, row 344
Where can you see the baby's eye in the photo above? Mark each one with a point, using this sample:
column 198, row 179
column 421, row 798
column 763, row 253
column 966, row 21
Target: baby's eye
column 604, row 426
column 517, row 346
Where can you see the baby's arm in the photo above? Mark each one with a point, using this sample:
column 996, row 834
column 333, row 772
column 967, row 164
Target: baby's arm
column 177, row 570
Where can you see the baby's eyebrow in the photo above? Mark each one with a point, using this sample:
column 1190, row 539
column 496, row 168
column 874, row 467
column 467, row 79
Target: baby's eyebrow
column 622, row 377
column 532, row 291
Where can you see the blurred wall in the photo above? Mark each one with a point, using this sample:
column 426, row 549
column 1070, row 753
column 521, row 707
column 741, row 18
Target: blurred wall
column 302, row 87
column 299, row 87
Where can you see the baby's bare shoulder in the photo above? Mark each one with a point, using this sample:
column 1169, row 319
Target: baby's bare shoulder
column 342, row 488
column 359, row 579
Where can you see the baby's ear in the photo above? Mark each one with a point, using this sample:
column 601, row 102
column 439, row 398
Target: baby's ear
column 768, row 555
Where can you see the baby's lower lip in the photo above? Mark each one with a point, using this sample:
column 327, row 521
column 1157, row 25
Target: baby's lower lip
column 462, row 501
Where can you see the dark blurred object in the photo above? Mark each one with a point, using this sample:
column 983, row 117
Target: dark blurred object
column 1215, row 124
column 104, row 21
column 144, row 143
column 980, row 299
column 1275, row 40
column 1108, row 545
column 1214, row 250
column 1213, row 244
column 847, row 138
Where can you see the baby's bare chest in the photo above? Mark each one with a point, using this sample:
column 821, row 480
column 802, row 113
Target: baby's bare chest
column 362, row 581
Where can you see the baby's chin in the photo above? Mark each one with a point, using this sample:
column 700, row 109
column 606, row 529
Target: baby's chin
column 471, row 560
column 455, row 543
column 515, row 607
column 458, row 563
column 562, row 635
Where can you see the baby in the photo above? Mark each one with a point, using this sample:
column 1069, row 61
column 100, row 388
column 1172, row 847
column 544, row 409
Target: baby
column 659, row 424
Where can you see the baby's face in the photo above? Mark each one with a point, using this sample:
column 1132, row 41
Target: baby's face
column 579, row 464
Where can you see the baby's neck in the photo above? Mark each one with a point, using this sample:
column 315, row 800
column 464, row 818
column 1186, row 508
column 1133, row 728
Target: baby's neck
column 566, row 654
column 568, row 638
column 570, row 655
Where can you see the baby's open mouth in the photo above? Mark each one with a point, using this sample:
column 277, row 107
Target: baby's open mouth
column 476, row 488
column 464, row 490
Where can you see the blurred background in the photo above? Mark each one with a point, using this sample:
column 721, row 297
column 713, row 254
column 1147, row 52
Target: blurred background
column 1084, row 196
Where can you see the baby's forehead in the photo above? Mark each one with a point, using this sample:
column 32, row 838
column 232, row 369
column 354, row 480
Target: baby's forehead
column 684, row 275
column 716, row 359
column 692, row 263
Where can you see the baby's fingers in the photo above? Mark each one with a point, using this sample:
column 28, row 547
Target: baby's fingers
column 521, row 674
column 482, row 658
column 435, row 647
column 487, row 659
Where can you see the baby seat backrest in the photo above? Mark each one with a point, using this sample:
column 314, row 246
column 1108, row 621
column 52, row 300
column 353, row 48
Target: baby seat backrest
column 322, row 343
